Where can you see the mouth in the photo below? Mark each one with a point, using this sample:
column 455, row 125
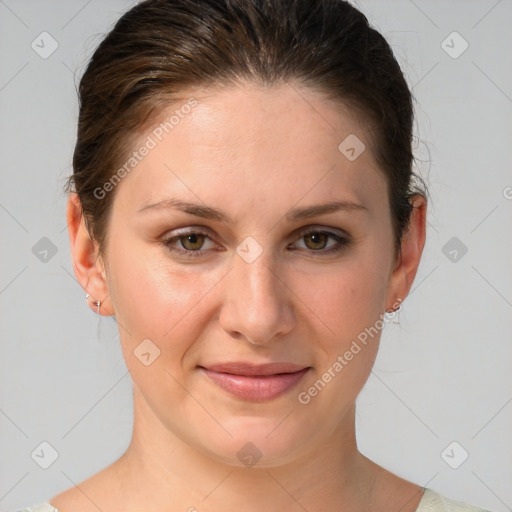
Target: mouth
column 255, row 383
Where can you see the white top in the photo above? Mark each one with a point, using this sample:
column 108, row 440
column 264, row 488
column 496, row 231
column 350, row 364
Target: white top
column 430, row 502
column 434, row 502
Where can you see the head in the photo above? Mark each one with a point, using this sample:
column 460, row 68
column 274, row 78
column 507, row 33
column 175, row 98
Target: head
column 207, row 131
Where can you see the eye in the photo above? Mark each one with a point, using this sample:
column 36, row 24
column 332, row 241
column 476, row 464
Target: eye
column 192, row 242
column 317, row 240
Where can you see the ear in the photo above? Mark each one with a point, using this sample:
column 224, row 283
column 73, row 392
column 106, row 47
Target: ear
column 88, row 266
column 412, row 245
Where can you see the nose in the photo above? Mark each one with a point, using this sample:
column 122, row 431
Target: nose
column 257, row 301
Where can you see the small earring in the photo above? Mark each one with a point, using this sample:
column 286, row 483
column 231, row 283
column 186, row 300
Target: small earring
column 96, row 303
column 397, row 310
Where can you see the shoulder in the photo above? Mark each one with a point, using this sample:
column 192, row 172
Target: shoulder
column 41, row 507
column 434, row 502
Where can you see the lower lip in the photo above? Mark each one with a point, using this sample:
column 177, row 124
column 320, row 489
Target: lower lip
column 256, row 388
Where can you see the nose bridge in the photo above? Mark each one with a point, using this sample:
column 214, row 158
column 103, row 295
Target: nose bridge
column 256, row 302
column 259, row 280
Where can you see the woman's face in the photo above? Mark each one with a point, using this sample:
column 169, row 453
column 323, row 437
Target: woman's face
column 249, row 285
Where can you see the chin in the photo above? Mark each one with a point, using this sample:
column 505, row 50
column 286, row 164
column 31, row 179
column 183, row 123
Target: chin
column 259, row 442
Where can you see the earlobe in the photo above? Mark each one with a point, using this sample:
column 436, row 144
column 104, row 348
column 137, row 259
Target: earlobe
column 413, row 242
column 88, row 267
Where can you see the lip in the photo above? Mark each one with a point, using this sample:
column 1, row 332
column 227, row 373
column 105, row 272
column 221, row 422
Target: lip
column 255, row 383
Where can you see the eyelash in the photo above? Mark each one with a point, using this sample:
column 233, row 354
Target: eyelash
column 341, row 242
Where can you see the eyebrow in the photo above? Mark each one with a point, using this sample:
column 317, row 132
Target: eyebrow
column 207, row 212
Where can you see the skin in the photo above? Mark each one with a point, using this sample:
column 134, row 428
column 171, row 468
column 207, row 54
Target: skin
column 256, row 154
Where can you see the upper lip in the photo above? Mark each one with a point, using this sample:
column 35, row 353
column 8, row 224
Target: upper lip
column 250, row 369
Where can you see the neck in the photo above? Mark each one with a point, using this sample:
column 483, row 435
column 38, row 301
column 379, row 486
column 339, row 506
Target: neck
column 160, row 467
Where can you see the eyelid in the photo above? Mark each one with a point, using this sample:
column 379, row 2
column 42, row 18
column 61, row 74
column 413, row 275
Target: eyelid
column 181, row 232
column 315, row 228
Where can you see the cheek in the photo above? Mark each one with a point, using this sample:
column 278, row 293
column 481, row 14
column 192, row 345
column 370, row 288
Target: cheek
column 347, row 297
column 154, row 300
column 348, row 304
column 348, row 301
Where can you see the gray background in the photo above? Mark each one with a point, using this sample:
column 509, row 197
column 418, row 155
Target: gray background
column 443, row 375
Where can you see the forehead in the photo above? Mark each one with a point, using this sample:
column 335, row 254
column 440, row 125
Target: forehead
column 260, row 143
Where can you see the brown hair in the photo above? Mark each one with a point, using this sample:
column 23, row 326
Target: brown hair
column 161, row 47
